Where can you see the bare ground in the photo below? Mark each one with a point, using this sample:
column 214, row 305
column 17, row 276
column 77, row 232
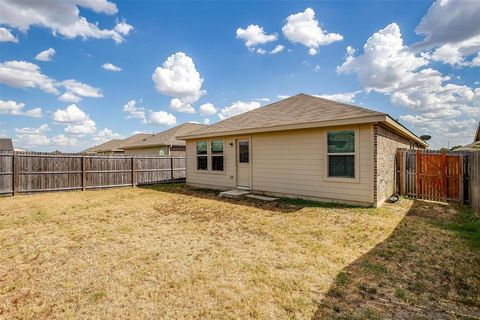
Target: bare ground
column 173, row 252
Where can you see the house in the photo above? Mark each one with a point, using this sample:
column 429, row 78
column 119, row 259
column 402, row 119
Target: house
column 301, row 147
column 6, row 144
column 109, row 147
column 163, row 143
column 475, row 145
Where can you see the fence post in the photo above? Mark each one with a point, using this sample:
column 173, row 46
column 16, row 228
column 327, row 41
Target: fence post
column 15, row 174
column 134, row 176
column 171, row 169
column 84, row 176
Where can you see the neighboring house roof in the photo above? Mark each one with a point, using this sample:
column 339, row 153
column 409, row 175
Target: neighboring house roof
column 6, row 144
column 109, row 146
column 297, row 112
column 470, row 147
column 165, row 138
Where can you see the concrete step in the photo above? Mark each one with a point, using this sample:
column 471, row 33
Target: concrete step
column 235, row 193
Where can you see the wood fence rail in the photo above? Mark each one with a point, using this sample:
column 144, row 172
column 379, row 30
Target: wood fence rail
column 36, row 172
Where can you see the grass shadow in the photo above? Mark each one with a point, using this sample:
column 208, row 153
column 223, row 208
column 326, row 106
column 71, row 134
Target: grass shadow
column 283, row 205
column 428, row 268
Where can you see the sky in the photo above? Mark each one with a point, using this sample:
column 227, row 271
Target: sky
column 77, row 73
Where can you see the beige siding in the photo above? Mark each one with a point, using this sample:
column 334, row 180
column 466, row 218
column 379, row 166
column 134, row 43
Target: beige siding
column 293, row 163
column 223, row 180
column 154, row 151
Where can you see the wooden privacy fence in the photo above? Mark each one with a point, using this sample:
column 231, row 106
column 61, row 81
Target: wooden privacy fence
column 35, row 172
column 433, row 175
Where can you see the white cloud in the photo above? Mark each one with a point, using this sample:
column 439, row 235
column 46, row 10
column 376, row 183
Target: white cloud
column 72, row 114
column 206, row 121
column 7, row 36
column 75, row 90
column 261, row 51
column 303, row 28
column 347, row 97
column 40, row 130
column 279, row 48
column 237, row 108
column 63, row 140
column 17, row 109
column 452, row 28
column 33, row 136
column 45, row 55
column 111, row 67
column 76, row 121
column 180, row 106
column 135, row 111
column 63, row 18
column 263, row 99
column 207, row 109
column 282, row 96
column 179, row 78
column 254, row 35
column 22, row 74
column 390, row 67
column 106, row 135
column 162, row 118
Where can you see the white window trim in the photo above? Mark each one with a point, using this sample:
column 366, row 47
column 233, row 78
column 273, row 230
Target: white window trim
column 209, row 157
column 356, row 154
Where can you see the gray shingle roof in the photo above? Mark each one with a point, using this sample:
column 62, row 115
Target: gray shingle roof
column 6, row 144
column 165, row 138
column 298, row 109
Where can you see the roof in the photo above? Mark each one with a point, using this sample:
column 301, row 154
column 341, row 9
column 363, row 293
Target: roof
column 472, row 146
column 6, row 144
column 296, row 112
column 164, row 138
column 112, row 145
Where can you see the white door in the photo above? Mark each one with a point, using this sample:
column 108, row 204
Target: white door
column 243, row 163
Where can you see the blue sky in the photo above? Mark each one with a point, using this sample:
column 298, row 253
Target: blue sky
column 418, row 61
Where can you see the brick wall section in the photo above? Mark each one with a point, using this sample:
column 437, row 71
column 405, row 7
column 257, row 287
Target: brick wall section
column 386, row 143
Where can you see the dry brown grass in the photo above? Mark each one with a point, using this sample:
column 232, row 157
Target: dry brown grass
column 171, row 252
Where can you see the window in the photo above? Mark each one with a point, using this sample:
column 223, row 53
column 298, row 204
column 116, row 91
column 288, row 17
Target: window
column 202, row 155
column 243, row 152
column 341, row 154
column 163, row 151
column 216, row 150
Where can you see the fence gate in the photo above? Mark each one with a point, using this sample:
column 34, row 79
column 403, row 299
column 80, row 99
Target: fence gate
column 431, row 175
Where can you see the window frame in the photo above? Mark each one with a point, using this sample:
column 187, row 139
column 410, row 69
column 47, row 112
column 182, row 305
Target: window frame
column 356, row 156
column 211, row 155
column 201, row 155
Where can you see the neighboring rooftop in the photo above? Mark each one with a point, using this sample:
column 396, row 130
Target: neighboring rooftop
column 109, row 146
column 165, row 138
column 298, row 111
column 6, row 144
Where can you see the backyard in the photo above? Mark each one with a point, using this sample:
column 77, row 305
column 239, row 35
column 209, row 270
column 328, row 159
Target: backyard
column 173, row 252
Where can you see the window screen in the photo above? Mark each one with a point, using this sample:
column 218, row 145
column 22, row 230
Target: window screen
column 341, row 154
column 202, row 155
column 217, row 155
